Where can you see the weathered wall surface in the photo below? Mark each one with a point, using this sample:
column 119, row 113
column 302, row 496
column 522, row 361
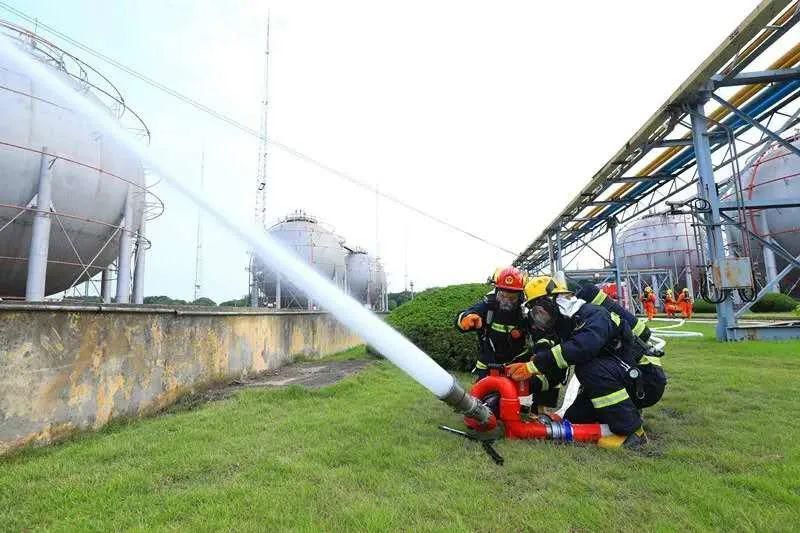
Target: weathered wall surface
column 68, row 369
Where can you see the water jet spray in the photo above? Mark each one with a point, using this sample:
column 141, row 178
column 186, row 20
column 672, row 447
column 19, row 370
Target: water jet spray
column 348, row 311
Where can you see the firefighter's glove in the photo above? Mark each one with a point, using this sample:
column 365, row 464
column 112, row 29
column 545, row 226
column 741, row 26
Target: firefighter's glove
column 470, row 322
column 521, row 371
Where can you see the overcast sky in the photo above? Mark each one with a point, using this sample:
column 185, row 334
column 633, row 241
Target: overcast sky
column 490, row 115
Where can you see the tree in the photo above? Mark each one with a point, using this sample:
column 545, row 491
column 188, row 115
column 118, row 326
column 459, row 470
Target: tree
column 399, row 298
column 244, row 301
column 205, row 301
column 163, row 300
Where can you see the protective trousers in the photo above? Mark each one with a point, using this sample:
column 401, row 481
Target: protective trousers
column 604, row 396
column 545, row 391
column 651, row 386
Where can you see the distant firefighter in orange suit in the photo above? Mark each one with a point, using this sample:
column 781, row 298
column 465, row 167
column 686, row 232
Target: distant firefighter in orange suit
column 649, row 300
column 670, row 304
column 685, row 303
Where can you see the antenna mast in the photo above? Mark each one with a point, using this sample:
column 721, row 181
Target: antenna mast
column 199, row 252
column 260, row 212
column 261, row 175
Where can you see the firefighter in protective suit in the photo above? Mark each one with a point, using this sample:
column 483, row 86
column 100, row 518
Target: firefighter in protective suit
column 498, row 321
column 502, row 337
column 649, row 301
column 670, row 305
column 648, row 388
column 685, row 303
column 598, row 344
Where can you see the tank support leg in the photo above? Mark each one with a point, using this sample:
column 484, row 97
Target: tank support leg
column 124, row 258
column 138, row 273
column 277, row 290
column 105, row 285
column 40, row 234
column 769, row 256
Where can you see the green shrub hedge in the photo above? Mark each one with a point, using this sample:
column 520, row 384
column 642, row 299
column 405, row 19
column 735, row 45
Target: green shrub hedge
column 428, row 321
column 775, row 303
column 702, row 306
column 770, row 303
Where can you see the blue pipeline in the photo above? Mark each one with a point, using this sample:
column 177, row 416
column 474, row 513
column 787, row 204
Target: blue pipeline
column 771, row 96
column 755, row 107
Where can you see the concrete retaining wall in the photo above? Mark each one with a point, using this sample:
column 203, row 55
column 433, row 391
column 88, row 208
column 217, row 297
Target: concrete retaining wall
column 64, row 368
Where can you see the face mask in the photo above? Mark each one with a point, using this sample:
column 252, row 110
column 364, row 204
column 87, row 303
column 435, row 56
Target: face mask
column 568, row 305
column 542, row 315
column 506, row 301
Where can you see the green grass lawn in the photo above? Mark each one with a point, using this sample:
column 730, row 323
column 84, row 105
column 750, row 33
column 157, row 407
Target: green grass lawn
column 788, row 315
column 366, row 454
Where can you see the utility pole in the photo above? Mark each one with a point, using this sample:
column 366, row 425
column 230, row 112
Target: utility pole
column 405, row 260
column 261, row 174
column 260, row 210
column 377, row 240
column 198, row 258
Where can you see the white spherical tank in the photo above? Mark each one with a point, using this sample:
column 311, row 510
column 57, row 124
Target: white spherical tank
column 92, row 173
column 377, row 285
column 313, row 243
column 358, row 274
column 663, row 242
column 774, row 175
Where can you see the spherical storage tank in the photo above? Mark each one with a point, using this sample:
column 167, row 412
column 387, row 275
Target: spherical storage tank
column 366, row 279
column 663, row 242
column 313, row 243
column 775, row 175
column 378, row 286
column 86, row 167
column 358, row 274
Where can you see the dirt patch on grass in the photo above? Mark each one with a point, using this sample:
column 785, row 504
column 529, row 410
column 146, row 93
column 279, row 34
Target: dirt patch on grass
column 312, row 375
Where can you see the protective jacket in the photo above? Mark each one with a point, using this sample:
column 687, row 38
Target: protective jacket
column 653, row 380
column 591, row 332
column 685, row 304
column 598, row 344
column 670, row 305
column 593, row 295
column 502, row 338
column 649, row 301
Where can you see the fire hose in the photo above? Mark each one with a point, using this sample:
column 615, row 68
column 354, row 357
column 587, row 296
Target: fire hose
column 515, row 425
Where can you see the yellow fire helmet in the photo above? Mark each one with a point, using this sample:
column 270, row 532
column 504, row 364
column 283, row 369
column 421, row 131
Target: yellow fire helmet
column 491, row 280
column 539, row 286
column 648, row 289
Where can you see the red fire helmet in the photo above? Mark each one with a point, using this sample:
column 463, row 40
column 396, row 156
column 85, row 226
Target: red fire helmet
column 510, row 279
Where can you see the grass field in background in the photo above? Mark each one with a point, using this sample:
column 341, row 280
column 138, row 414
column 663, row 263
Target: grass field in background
column 366, row 454
column 787, row 315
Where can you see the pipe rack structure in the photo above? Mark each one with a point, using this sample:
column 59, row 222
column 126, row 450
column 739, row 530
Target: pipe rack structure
column 675, row 150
